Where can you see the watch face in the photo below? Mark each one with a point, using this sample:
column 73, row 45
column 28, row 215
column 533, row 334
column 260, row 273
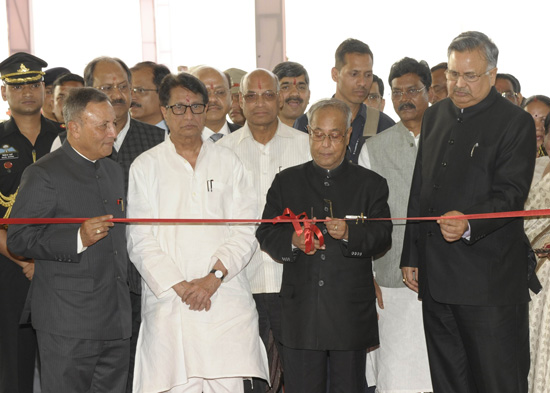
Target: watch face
column 218, row 274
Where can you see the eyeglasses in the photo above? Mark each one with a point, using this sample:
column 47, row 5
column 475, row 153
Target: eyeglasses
column 123, row 88
column 412, row 92
column 218, row 93
column 510, row 95
column 374, row 97
column 318, row 136
column 180, row 109
column 469, row 77
column 252, row 97
column 141, row 91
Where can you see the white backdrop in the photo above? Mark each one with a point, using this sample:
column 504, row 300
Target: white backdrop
column 221, row 33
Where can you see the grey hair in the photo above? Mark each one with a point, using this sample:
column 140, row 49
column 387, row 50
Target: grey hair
column 244, row 80
column 78, row 99
column 473, row 40
column 331, row 103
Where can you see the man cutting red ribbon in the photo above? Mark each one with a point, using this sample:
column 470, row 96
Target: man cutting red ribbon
column 309, row 229
column 328, row 310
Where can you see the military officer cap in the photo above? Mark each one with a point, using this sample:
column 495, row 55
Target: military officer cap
column 53, row 73
column 236, row 76
column 22, row 68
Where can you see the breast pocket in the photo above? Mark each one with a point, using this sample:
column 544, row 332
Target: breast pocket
column 218, row 199
column 481, row 168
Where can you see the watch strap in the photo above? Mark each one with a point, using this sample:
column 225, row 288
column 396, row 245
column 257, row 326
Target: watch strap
column 214, row 271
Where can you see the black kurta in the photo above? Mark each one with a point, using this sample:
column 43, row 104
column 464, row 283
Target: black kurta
column 328, row 298
column 479, row 160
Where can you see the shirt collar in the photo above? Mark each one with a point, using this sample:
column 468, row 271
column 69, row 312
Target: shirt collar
column 206, row 133
column 224, row 130
column 331, row 172
column 162, row 124
column 362, row 112
column 408, row 132
column 11, row 126
column 82, row 155
column 282, row 131
column 75, row 154
column 122, row 134
column 471, row 111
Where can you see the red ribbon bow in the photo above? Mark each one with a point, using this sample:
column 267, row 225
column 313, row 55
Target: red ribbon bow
column 309, row 228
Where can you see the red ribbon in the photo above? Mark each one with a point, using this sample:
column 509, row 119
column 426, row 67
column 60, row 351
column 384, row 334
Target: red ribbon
column 479, row 216
column 309, row 228
column 302, row 218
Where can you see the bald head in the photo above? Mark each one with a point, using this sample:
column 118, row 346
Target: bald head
column 259, row 97
column 219, row 98
column 206, row 72
column 259, row 73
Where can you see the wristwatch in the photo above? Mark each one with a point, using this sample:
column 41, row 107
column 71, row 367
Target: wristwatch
column 217, row 274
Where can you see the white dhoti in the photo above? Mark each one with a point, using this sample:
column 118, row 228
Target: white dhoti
column 400, row 364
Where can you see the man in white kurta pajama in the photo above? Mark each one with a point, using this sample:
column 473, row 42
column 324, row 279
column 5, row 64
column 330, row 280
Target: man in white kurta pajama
column 199, row 331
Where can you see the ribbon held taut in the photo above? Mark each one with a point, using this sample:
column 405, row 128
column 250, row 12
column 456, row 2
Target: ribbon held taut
column 302, row 218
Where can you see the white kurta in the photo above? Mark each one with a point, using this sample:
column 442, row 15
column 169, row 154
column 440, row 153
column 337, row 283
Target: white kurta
column 400, row 364
column 287, row 148
column 174, row 342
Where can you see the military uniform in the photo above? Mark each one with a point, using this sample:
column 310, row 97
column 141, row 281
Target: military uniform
column 17, row 343
column 17, row 153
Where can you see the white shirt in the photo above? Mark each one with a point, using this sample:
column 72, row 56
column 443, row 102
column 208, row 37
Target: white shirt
column 223, row 342
column 121, row 135
column 207, row 132
column 288, row 147
column 79, row 246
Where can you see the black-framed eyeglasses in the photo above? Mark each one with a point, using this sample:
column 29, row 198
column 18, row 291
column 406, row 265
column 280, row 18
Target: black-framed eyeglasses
column 412, row 92
column 318, row 136
column 141, row 91
column 180, row 109
column 123, row 88
column 252, row 97
column 468, row 77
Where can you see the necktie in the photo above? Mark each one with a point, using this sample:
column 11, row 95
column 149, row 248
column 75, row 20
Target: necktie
column 216, row 137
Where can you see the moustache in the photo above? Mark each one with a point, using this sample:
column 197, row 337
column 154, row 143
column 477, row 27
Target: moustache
column 211, row 106
column 406, row 105
column 461, row 90
column 118, row 101
column 298, row 99
column 135, row 105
